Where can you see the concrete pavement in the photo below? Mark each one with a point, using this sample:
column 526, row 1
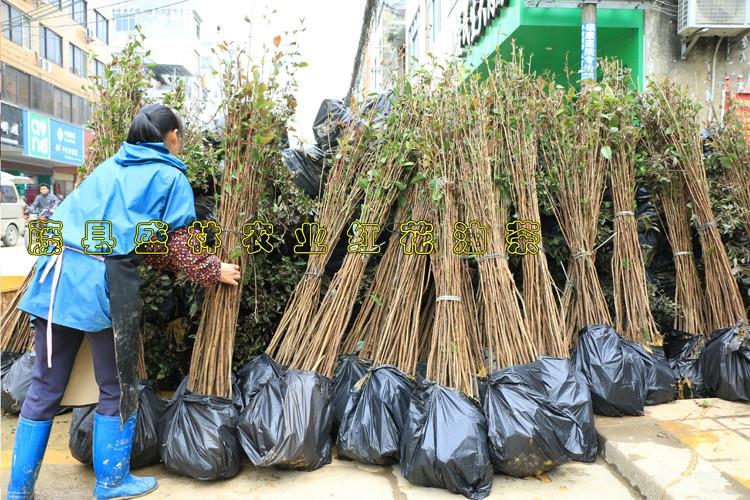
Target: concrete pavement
column 682, row 450
column 63, row 478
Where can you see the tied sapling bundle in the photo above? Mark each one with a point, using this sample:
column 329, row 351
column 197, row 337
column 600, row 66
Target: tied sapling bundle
column 574, row 181
column 392, row 155
column 480, row 160
column 516, row 98
column 672, row 117
column 731, row 145
column 452, row 358
column 633, row 317
column 255, row 113
column 341, row 197
column 671, row 193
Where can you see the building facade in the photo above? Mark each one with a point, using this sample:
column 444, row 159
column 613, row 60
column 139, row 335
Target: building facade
column 383, row 58
column 173, row 37
column 644, row 35
column 49, row 51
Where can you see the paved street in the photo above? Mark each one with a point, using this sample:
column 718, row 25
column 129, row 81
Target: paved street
column 15, row 261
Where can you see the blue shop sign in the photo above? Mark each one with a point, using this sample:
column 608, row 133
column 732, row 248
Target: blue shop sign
column 67, row 143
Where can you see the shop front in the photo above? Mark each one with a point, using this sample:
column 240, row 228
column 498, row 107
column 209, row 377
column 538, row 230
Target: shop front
column 550, row 37
column 42, row 148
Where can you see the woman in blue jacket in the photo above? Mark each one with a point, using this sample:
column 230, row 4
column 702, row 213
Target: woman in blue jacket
column 90, row 288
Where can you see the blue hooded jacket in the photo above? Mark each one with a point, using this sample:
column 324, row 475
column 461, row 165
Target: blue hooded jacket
column 142, row 182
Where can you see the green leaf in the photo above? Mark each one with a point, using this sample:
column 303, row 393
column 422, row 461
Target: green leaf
column 606, row 152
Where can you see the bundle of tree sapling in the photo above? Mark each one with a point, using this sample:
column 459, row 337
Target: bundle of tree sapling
column 444, row 442
column 672, row 116
column 731, row 145
column 304, row 396
column 633, row 318
column 255, row 106
column 376, row 410
column 516, row 97
column 483, row 156
column 574, row 181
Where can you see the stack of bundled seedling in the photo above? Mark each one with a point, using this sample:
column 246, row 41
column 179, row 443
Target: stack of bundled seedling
column 255, row 111
column 516, row 98
column 373, row 165
column 731, row 145
column 444, row 442
column 670, row 119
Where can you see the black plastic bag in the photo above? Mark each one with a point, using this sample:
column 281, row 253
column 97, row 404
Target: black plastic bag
column 614, row 371
column 198, row 437
column 16, row 380
column 660, row 378
column 306, row 166
column 254, row 374
column 444, row 444
column 145, row 450
column 682, row 350
column 348, row 372
column 332, row 116
column 725, row 364
column 539, row 415
column 373, row 421
column 287, row 423
column 81, row 434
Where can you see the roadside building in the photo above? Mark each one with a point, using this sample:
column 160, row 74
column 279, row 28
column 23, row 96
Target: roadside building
column 49, row 51
column 696, row 42
column 173, row 37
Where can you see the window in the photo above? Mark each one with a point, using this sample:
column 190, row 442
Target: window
column 412, row 52
column 16, row 26
column 98, row 68
column 124, row 19
column 434, row 15
column 77, row 62
column 50, row 45
column 79, row 109
column 102, row 27
column 8, row 194
column 78, row 11
column 16, row 86
column 62, row 104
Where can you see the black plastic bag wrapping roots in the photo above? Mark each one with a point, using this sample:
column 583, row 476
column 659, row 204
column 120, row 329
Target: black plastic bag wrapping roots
column 198, row 437
column 287, row 423
column 725, row 364
column 682, row 350
column 145, row 450
column 332, row 116
column 444, row 444
column 254, row 374
column 659, row 375
column 615, row 372
column 81, row 433
column 348, row 372
column 16, row 380
column 373, row 421
column 306, row 166
column 539, row 415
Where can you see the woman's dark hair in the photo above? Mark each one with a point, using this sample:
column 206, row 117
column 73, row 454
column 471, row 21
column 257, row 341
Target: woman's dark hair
column 152, row 123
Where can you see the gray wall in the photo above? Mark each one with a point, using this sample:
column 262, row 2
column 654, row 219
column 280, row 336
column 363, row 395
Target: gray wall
column 662, row 58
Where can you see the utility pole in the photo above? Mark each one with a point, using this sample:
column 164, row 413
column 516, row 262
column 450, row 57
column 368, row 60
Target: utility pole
column 588, row 42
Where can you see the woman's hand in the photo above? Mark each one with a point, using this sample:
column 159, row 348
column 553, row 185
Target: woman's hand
column 230, row 273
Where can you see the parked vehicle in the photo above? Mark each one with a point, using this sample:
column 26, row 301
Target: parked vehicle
column 12, row 211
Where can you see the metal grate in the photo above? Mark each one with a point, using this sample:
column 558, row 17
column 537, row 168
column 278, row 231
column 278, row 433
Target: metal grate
column 719, row 12
column 682, row 15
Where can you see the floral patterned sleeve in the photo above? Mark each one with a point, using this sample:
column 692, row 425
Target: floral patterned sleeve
column 201, row 268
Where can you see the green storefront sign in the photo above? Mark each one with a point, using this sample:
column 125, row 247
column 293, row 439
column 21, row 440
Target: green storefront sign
column 551, row 38
column 37, row 143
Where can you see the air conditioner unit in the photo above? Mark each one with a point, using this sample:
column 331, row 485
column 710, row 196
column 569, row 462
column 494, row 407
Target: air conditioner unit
column 45, row 64
column 713, row 17
column 90, row 35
